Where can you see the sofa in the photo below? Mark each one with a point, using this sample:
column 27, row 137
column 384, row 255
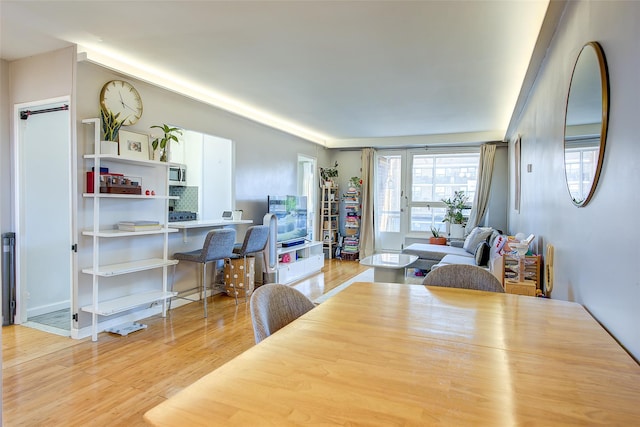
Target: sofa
column 479, row 247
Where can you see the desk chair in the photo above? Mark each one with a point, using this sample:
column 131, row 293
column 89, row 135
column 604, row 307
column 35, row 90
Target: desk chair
column 255, row 240
column 274, row 306
column 463, row 276
column 218, row 245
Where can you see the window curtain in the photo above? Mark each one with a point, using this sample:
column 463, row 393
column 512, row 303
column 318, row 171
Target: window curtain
column 367, row 239
column 483, row 186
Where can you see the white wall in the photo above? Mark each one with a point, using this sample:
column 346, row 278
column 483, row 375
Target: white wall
column 265, row 161
column 597, row 251
column 5, row 149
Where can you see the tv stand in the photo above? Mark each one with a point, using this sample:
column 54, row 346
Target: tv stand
column 305, row 259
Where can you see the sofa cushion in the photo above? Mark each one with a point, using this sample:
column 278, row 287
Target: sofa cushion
column 477, row 235
column 455, row 259
column 434, row 252
column 482, row 254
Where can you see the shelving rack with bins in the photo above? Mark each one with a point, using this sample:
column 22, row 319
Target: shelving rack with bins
column 531, row 285
column 99, row 271
column 329, row 215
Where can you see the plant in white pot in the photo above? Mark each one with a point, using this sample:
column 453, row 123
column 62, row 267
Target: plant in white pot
column 455, row 218
column 328, row 175
column 111, row 124
column 161, row 143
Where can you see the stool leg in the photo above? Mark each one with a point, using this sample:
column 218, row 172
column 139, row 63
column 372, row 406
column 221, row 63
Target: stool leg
column 235, row 291
column 173, row 280
column 204, row 287
column 245, row 279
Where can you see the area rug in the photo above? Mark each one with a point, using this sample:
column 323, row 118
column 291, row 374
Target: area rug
column 367, row 276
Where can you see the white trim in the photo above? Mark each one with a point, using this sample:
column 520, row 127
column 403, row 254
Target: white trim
column 21, row 312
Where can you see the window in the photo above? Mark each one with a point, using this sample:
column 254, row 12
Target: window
column 434, row 177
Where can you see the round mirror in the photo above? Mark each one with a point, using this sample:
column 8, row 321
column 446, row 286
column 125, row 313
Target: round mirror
column 586, row 120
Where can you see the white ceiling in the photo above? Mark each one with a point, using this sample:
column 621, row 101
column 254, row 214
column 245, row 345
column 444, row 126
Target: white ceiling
column 341, row 73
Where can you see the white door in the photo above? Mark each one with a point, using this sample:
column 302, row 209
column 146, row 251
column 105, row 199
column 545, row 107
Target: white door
column 306, row 187
column 390, row 201
column 43, row 210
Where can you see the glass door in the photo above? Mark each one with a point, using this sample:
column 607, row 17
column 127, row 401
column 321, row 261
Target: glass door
column 390, row 201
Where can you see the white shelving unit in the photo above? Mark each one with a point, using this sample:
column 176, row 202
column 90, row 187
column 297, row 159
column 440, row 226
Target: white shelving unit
column 329, row 214
column 101, row 272
column 305, row 260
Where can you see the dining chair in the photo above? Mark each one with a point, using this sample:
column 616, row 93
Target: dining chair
column 273, row 306
column 463, row 276
column 218, row 245
column 255, row 241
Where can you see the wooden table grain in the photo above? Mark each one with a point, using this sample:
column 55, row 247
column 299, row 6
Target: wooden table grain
column 382, row 354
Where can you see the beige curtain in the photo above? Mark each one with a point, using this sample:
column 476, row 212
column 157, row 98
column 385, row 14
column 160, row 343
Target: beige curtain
column 483, row 186
column 367, row 236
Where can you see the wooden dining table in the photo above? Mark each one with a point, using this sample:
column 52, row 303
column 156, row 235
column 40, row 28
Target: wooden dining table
column 388, row 354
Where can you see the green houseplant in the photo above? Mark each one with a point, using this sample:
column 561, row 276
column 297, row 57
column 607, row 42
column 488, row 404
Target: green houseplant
column 328, row 175
column 437, row 239
column 111, row 124
column 169, row 134
column 455, row 218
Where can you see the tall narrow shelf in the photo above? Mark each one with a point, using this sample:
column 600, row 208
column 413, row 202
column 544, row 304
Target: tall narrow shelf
column 329, row 219
column 99, row 271
column 350, row 249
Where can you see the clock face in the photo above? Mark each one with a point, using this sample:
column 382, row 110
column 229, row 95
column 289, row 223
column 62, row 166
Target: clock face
column 121, row 97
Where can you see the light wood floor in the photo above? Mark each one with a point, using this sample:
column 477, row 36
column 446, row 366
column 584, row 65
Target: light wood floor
column 52, row 380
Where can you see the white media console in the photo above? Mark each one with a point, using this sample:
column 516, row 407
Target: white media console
column 288, row 264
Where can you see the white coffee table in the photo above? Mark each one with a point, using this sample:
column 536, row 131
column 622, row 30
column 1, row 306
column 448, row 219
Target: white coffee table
column 388, row 267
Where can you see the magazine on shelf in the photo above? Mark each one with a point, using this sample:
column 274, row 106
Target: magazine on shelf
column 139, row 225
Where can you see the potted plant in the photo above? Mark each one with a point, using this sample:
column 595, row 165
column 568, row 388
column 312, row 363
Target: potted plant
column 437, row 239
column 328, row 175
column 455, row 218
column 355, row 182
column 170, row 134
column 111, row 124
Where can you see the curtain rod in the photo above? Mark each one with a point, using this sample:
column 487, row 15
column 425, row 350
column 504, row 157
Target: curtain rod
column 24, row 115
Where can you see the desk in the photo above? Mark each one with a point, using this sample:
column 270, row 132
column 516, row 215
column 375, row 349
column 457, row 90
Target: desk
column 388, row 354
column 213, row 223
column 389, row 267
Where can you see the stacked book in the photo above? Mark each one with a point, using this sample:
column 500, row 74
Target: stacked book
column 350, row 244
column 139, row 225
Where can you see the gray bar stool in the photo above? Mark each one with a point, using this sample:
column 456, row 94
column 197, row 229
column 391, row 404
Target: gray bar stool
column 218, row 245
column 255, row 241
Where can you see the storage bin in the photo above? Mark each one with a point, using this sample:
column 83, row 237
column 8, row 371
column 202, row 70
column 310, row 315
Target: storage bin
column 236, row 279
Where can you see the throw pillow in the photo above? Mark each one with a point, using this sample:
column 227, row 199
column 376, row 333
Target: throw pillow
column 481, row 235
column 482, row 254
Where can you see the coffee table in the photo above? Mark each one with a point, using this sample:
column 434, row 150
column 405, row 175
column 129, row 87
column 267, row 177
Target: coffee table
column 389, row 267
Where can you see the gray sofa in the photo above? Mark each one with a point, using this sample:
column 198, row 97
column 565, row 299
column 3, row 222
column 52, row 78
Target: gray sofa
column 475, row 250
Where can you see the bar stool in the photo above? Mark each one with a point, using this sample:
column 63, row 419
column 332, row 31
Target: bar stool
column 218, row 244
column 255, row 240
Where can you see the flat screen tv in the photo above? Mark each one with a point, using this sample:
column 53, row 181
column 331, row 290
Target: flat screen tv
column 291, row 212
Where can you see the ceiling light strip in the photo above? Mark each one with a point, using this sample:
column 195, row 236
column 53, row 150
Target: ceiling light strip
column 193, row 91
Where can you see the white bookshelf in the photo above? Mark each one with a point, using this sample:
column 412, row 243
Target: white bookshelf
column 102, row 272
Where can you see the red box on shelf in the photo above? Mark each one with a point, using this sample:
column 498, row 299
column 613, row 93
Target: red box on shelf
column 90, row 178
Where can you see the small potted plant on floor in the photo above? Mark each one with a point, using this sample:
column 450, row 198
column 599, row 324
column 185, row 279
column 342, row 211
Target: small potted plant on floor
column 437, row 239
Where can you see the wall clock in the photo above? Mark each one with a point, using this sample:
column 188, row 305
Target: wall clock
column 118, row 96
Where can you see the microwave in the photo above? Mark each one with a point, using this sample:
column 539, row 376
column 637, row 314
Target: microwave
column 178, row 175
